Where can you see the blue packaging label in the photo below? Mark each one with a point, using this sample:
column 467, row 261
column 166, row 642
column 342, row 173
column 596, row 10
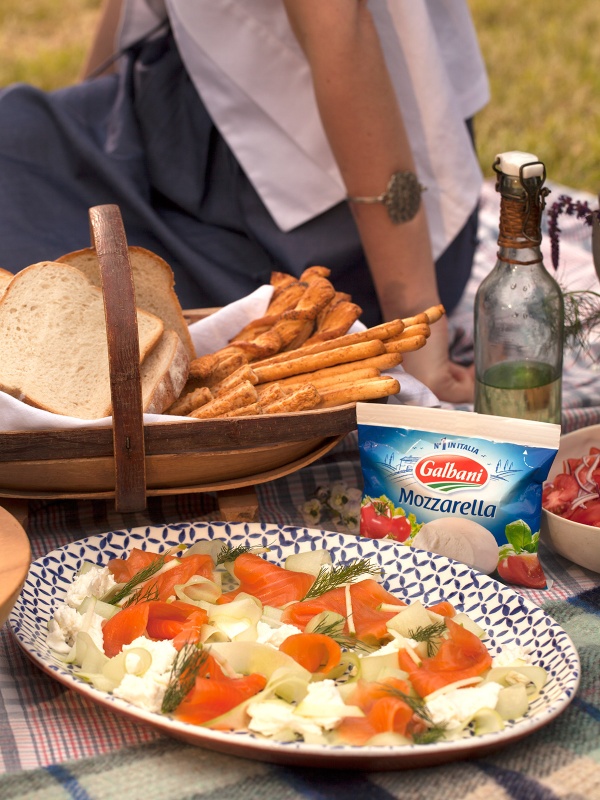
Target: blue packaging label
column 431, row 464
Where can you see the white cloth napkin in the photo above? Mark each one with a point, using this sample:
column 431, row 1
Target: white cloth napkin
column 208, row 335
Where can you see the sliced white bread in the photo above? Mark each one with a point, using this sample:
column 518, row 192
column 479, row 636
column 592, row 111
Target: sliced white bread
column 153, row 280
column 5, row 278
column 164, row 373
column 53, row 341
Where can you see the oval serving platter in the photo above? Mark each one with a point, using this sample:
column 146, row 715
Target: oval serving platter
column 410, row 574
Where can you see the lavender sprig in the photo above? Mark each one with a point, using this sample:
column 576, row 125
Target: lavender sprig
column 572, row 208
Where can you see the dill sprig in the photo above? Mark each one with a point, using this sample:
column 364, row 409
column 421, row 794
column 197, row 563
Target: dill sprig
column 330, row 578
column 187, row 665
column 143, row 595
column 228, row 553
column 433, row 732
column 428, row 634
column 138, row 578
column 582, row 317
column 429, row 735
column 335, row 631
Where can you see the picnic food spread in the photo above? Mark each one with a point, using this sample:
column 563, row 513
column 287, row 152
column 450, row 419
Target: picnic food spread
column 308, row 650
column 297, row 356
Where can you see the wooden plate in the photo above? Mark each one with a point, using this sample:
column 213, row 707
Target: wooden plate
column 15, row 556
column 203, row 471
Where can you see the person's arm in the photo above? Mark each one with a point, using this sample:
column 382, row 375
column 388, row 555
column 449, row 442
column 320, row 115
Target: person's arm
column 364, row 126
column 103, row 43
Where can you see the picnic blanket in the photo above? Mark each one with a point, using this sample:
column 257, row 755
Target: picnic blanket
column 560, row 761
column 56, row 744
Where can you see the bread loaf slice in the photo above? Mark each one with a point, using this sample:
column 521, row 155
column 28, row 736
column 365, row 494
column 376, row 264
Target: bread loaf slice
column 5, row 278
column 164, row 373
column 54, row 353
column 154, row 286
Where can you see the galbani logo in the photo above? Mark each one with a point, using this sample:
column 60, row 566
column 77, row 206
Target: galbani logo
column 449, row 473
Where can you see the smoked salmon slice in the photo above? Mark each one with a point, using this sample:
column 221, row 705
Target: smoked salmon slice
column 197, row 564
column 313, row 651
column 384, row 711
column 462, row 655
column 212, row 697
column 366, row 597
column 271, row 584
column 123, row 569
column 154, row 619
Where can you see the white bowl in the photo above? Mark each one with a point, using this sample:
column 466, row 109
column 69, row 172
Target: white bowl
column 576, row 542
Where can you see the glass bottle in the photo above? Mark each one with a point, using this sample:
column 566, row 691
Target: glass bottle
column 519, row 308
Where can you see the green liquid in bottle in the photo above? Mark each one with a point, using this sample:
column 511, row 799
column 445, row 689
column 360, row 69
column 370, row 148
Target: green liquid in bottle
column 521, row 389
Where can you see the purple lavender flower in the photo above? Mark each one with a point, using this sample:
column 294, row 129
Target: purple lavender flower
column 573, row 208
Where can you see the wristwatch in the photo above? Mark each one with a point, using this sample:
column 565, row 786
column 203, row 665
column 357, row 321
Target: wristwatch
column 402, row 198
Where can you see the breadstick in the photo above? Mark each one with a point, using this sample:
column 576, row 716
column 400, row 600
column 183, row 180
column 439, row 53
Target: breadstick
column 203, row 366
column 359, row 391
column 381, row 363
column 301, row 399
column 430, row 315
column 416, row 320
column 383, row 331
column 315, row 272
column 335, row 321
column 245, row 411
column 241, row 395
column 419, row 329
column 434, row 313
column 214, row 367
column 310, row 363
column 244, row 373
column 406, row 345
column 322, row 378
column 283, row 299
column 269, row 392
column 281, row 279
column 188, row 402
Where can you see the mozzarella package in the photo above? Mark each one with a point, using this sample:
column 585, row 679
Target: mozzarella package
column 460, row 484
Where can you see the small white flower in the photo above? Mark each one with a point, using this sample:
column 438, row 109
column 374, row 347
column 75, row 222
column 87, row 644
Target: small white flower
column 339, row 496
column 311, row 511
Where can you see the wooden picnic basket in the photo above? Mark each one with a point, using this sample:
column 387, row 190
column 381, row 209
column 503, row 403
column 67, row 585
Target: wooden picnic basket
column 131, row 460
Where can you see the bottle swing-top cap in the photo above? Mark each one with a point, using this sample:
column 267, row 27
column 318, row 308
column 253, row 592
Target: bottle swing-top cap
column 520, row 181
column 513, row 161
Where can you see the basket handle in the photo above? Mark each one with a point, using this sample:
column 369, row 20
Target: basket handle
column 109, row 240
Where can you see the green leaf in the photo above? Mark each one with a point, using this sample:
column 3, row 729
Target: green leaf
column 518, row 534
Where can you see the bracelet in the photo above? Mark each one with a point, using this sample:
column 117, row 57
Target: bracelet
column 402, row 198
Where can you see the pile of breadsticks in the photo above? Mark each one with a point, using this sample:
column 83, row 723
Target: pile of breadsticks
column 300, row 356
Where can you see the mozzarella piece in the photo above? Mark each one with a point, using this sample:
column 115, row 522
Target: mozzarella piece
column 67, row 622
column 453, row 709
column 94, row 583
column 147, row 690
column 461, row 539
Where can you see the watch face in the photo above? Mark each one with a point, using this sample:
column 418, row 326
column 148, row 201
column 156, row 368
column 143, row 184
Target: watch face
column 403, row 197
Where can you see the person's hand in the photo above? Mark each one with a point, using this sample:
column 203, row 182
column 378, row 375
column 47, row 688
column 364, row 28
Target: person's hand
column 431, row 365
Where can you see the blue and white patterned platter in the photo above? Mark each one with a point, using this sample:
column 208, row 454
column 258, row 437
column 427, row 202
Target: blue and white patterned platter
column 410, row 574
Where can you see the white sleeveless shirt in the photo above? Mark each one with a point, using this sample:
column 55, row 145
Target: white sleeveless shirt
column 256, row 84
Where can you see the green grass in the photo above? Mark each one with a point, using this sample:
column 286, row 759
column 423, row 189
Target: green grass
column 542, row 58
column 44, row 42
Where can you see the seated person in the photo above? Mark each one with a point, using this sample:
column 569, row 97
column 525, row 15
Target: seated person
column 232, row 135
